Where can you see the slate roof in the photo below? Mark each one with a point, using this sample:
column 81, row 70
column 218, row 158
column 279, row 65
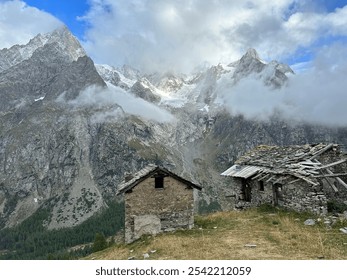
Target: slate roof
column 149, row 171
column 278, row 163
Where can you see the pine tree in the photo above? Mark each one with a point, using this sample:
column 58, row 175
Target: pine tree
column 100, row 242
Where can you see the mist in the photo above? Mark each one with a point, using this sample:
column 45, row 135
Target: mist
column 114, row 102
column 317, row 95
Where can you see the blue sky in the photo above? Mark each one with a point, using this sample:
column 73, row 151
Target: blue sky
column 166, row 35
column 68, row 11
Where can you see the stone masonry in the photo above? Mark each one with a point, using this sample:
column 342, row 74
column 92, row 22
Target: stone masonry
column 150, row 209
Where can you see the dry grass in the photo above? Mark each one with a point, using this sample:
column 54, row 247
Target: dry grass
column 276, row 234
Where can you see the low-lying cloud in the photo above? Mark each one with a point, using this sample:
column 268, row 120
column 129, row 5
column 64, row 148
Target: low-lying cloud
column 317, row 95
column 107, row 100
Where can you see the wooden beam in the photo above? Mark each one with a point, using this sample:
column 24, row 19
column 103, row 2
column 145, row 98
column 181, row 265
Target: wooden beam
column 305, row 179
column 332, row 164
column 293, row 181
column 263, row 177
column 341, row 182
column 331, row 175
column 310, row 163
column 321, row 151
column 270, row 179
column 331, row 185
column 260, row 174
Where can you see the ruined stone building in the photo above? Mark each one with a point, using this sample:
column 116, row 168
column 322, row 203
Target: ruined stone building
column 157, row 200
column 302, row 178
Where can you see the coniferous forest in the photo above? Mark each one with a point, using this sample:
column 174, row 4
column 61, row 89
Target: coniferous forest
column 31, row 240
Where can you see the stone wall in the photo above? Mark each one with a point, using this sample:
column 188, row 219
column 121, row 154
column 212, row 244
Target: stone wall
column 299, row 196
column 149, row 210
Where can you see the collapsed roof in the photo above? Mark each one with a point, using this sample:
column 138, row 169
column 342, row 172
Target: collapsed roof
column 278, row 164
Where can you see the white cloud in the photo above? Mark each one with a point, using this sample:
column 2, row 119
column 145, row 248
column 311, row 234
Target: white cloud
column 107, row 99
column 20, row 22
column 317, row 95
column 178, row 35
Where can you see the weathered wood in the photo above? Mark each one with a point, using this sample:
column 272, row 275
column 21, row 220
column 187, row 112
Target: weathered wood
column 321, row 151
column 263, row 177
column 312, row 172
column 341, row 182
column 331, row 185
column 330, row 175
column 305, row 179
column 293, row 181
column 260, row 174
column 270, row 179
column 332, row 164
column 310, row 163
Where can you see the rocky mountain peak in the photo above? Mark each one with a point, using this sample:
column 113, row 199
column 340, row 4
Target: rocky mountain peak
column 61, row 37
column 251, row 54
column 66, row 41
column 273, row 74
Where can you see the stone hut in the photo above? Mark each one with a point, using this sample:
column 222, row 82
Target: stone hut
column 157, row 200
column 301, row 178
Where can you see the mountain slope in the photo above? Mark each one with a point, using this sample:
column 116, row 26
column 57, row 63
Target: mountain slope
column 65, row 142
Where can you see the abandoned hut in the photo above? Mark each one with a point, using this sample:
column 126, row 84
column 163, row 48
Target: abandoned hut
column 301, row 178
column 156, row 200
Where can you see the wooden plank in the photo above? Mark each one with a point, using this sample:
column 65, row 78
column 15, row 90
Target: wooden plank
column 341, row 182
column 332, row 164
column 321, row 151
column 280, row 180
column 263, row 177
column 260, row 174
column 331, row 175
column 305, row 179
column 330, row 184
column 312, row 172
column 293, row 181
column 270, row 179
column 310, row 163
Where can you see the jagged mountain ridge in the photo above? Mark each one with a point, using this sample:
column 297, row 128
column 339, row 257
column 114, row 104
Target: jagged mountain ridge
column 57, row 154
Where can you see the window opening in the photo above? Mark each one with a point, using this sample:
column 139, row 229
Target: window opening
column 159, row 182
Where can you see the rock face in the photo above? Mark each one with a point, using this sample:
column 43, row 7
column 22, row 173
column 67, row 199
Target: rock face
column 60, row 155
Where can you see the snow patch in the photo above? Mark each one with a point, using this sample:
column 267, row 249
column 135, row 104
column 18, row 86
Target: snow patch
column 40, row 98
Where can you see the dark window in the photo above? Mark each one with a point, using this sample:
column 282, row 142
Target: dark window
column 159, row 182
column 261, row 186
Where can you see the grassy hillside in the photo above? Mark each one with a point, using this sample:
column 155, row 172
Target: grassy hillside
column 263, row 233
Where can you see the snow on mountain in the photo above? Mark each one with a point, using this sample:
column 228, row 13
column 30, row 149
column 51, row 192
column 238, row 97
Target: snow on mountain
column 114, row 76
column 62, row 37
column 199, row 89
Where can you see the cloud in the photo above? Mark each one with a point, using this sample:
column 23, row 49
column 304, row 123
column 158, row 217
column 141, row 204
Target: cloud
column 179, row 35
column 106, row 102
column 20, row 22
column 317, row 95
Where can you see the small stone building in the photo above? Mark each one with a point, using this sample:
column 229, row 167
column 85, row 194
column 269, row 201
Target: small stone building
column 301, row 178
column 157, row 200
